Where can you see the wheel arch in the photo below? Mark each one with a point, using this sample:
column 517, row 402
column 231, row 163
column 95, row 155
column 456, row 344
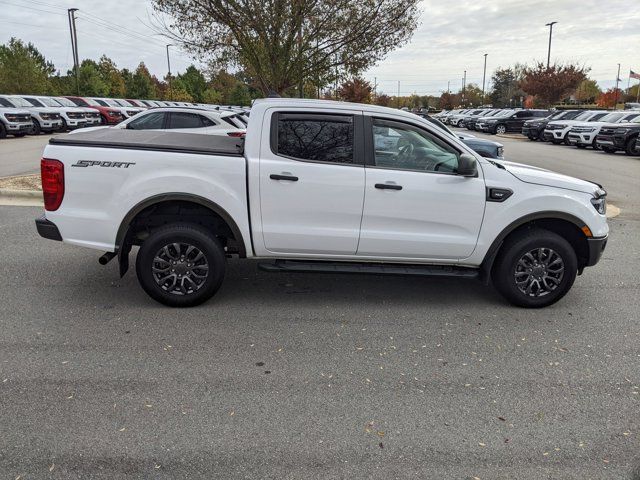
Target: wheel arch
column 566, row 225
column 124, row 240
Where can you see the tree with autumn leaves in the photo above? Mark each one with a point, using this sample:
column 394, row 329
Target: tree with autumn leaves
column 551, row 84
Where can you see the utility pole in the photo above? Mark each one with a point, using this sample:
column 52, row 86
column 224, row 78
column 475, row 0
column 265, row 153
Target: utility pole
column 448, row 86
column 169, row 67
column 71, row 14
column 484, row 74
column 375, row 88
column 398, row 93
column 464, row 87
column 615, row 105
column 550, row 25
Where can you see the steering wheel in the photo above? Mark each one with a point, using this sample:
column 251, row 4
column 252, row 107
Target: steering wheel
column 407, row 150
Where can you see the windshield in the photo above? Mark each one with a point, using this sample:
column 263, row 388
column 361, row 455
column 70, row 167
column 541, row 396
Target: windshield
column 65, row 102
column 34, row 102
column 5, row 103
column 505, row 113
column 93, row 103
column 49, row 102
column 125, row 103
column 584, row 116
column 20, row 102
column 571, row 115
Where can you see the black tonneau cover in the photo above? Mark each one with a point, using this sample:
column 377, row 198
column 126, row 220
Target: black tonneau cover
column 165, row 141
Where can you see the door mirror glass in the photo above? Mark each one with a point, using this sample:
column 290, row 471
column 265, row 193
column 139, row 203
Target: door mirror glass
column 467, row 165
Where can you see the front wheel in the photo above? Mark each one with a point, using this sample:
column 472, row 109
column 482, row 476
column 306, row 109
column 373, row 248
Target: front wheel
column 501, row 129
column 181, row 265
column 631, row 149
column 535, row 268
column 609, row 149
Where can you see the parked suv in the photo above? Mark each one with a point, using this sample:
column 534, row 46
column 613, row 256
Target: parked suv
column 584, row 134
column 556, row 131
column 14, row 121
column 470, row 120
column 534, row 129
column 620, row 137
column 91, row 115
column 126, row 112
column 44, row 119
column 511, row 121
column 108, row 115
column 458, row 120
column 71, row 117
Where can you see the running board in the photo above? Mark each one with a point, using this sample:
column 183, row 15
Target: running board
column 296, row 266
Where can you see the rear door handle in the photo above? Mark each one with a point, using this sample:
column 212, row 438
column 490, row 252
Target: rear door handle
column 388, row 186
column 275, row 176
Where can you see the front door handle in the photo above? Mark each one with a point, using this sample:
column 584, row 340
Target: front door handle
column 275, row 176
column 388, row 186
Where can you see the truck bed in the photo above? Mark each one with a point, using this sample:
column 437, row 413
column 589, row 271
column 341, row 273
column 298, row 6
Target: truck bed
column 154, row 140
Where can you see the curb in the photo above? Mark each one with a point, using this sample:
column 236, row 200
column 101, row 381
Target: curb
column 26, row 194
column 512, row 137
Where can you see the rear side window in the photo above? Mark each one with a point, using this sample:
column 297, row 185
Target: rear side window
column 184, row 120
column 150, row 121
column 319, row 138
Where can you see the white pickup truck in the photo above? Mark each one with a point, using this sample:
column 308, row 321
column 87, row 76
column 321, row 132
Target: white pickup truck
column 319, row 186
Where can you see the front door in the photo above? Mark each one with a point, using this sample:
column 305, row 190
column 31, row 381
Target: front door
column 416, row 206
column 312, row 184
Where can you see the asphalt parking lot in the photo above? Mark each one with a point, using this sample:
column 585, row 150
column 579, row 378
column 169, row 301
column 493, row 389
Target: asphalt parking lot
column 293, row 376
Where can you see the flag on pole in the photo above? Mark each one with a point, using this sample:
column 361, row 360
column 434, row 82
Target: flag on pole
column 633, row 74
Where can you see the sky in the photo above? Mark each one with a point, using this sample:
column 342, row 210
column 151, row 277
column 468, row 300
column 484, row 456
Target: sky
column 453, row 37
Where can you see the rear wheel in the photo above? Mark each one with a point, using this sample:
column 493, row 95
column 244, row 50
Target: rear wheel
column 181, row 265
column 535, row 268
column 3, row 131
column 501, row 129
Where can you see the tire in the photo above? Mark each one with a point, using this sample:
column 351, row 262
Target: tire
column 103, row 120
column 36, row 130
column 500, row 129
column 566, row 140
column 513, row 261
column 3, row 131
column 609, row 149
column 19, row 135
column 530, row 137
column 594, row 145
column 460, row 123
column 64, row 127
column 581, row 146
column 630, row 147
column 556, row 142
column 159, row 252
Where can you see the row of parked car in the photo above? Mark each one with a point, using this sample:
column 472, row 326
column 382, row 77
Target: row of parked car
column 34, row 114
column 601, row 130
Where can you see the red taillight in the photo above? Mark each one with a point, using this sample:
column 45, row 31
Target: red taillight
column 52, row 173
column 237, row 134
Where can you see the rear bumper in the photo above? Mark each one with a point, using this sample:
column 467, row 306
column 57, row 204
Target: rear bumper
column 596, row 247
column 47, row 229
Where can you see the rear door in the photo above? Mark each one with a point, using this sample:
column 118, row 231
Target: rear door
column 416, row 206
column 312, row 183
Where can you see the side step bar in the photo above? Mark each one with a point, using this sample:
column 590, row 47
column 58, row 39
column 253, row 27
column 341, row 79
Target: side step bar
column 296, row 266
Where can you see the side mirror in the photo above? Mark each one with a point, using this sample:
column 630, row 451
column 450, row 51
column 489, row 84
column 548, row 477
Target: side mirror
column 467, row 166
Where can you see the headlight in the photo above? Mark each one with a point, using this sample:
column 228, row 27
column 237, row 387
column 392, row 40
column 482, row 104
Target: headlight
column 10, row 117
column 113, row 114
column 490, row 121
column 599, row 202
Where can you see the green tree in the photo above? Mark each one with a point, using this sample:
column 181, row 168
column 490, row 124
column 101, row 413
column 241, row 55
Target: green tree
column 472, row 95
column 142, row 84
column 90, row 81
column 282, row 43
column 240, row 95
column 587, row 91
column 211, row 96
column 194, row 83
column 23, row 69
column 506, row 89
column 112, row 77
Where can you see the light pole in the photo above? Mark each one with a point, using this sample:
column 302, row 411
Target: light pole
column 550, row 25
column 464, row 88
column 169, row 67
column 484, row 74
column 615, row 105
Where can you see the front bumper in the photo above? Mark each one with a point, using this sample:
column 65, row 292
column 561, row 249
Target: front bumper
column 596, row 247
column 18, row 127
column 47, row 229
column 580, row 138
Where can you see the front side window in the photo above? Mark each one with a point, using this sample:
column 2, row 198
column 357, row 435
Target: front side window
column 151, row 121
column 403, row 147
column 319, row 138
column 184, row 120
